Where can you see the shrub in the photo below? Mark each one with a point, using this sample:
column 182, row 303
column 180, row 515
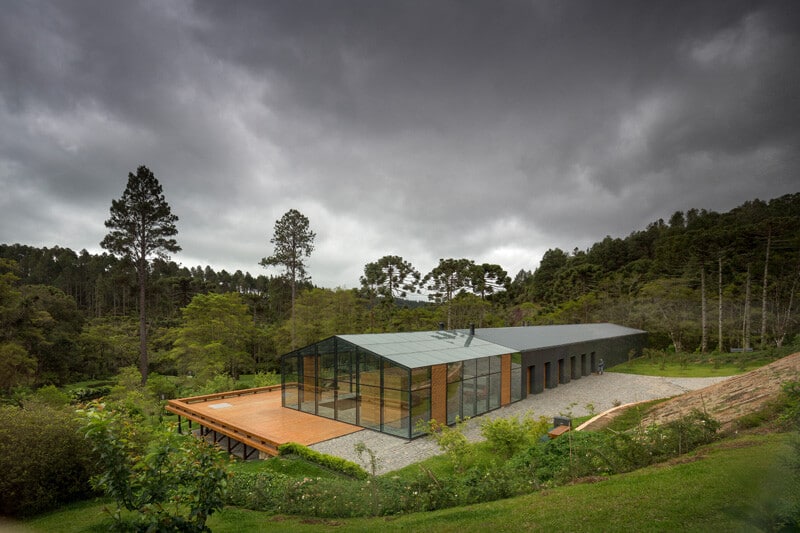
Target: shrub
column 494, row 482
column 50, row 395
column 337, row 464
column 451, row 440
column 260, row 491
column 567, row 457
column 265, row 379
column 43, row 458
column 170, row 482
column 86, row 394
column 507, row 436
column 684, row 434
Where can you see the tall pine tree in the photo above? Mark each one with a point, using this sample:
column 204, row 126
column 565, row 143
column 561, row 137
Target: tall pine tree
column 141, row 226
column 294, row 241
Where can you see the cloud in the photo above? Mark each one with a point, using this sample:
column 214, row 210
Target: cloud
column 423, row 129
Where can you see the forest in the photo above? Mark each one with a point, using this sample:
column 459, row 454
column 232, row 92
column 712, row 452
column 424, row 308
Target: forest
column 702, row 281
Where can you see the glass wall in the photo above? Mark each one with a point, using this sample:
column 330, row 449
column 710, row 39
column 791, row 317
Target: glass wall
column 308, row 380
column 473, row 387
column 516, row 377
column 454, row 391
column 369, row 390
column 290, row 376
column 347, row 379
column 420, row 398
column 340, row 381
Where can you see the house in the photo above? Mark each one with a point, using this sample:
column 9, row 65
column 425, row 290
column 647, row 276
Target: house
column 390, row 382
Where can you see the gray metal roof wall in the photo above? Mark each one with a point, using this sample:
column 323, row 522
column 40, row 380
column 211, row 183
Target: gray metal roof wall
column 527, row 338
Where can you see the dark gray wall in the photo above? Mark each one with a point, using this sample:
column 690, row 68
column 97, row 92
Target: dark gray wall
column 547, row 368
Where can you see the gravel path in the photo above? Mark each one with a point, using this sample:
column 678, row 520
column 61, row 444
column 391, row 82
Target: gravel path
column 580, row 397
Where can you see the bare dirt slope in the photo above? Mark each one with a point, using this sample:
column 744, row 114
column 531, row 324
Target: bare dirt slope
column 725, row 401
column 732, row 398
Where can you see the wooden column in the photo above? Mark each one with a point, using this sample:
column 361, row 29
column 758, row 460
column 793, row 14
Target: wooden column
column 505, row 379
column 439, row 393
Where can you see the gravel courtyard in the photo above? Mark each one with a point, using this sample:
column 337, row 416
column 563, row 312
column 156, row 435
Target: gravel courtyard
column 577, row 398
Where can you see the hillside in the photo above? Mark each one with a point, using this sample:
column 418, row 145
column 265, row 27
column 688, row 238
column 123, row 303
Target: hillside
column 726, row 401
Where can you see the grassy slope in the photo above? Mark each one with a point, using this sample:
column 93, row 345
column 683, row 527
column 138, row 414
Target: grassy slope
column 721, row 491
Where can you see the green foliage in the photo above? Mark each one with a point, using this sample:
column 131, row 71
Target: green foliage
column 507, row 436
column 266, row 379
column 86, row 394
column 320, row 313
column 218, row 383
column 790, row 403
column 214, row 337
column 389, row 277
column 107, row 345
column 450, row 439
column 262, row 491
column 50, row 395
column 736, row 486
column 172, row 482
column 336, row 464
column 293, row 240
column 17, row 367
column 43, row 458
column 39, row 326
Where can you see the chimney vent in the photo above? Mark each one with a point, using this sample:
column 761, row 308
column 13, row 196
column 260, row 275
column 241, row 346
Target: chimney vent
column 472, row 329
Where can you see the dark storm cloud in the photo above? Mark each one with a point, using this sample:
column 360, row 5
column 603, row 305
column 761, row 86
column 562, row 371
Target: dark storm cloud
column 489, row 130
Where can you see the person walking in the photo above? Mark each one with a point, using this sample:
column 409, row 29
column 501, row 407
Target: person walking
column 601, row 366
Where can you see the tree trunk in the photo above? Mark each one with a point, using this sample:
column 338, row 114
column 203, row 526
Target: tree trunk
column 746, row 320
column 703, row 311
column 719, row 317
column 764, row 295
column 294, row 290
column 142, row 321
column 782, row 320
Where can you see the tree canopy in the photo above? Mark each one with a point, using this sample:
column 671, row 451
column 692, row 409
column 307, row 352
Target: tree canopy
column 390, row 277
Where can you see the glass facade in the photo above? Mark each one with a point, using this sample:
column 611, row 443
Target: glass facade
column 474, row 387
column 516, row 377
column 338, row 380
column 342, row 381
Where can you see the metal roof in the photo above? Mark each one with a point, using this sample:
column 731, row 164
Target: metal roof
column 528, row 338
column 425, row 348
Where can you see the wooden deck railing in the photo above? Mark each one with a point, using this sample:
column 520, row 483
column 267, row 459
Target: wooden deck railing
column 228, row 394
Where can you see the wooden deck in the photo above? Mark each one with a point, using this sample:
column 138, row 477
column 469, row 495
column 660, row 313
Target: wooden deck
column 255, row 418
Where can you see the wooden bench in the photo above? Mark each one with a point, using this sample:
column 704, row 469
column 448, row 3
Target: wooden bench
column 557, row 431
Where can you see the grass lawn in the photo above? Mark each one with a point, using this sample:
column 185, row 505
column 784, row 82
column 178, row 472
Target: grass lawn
column 727, row 486
column 673, row 369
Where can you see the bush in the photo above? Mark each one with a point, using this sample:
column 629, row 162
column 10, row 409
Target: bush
column 87, row 394
column 170, row 482
column 507, row 436
column 451, row 440
column 684, row 435
column 337, row 464
column 50, row 395
column 43, row 458
column 265, row 379
column 260, row 491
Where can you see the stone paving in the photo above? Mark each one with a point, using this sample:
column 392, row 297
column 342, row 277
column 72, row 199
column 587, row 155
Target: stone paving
column 594, row 393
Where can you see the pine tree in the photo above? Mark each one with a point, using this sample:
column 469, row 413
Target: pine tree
column 142, row 226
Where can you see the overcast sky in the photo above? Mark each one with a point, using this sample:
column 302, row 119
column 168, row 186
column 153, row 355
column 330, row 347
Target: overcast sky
column 490, row 130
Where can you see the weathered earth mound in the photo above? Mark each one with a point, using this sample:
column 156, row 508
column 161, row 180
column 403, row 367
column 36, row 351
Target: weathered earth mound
column 732, row 398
